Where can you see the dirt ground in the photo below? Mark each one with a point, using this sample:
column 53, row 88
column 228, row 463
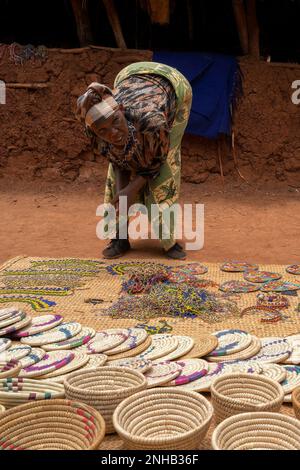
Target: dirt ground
column 241, row 222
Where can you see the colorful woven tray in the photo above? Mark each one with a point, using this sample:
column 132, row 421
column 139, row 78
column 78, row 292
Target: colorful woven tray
column 185, row 344
column 204, row 344
column 82, row 338
column 238, row 266
column 105, row 340
column 161, row 373
column 141, row 365
column 203, row 384
column 261, row 276
column 243, row 367
column 136, row 337
column 15, row 391
column 95, row 361
column 4, row 344
column 7, row 312
column 16, row 326
column 53, row 360
column 59, row 333
column 191, row 369
column 135, row 352
column 79, row 361
column 36, row 354
column 9, row 368
column 161, row 346
column 273, row 349
column 230, row 341
column 39, row 324
column 293, row 269
column 11, row 319
column 274, row 371
column 240, row 287
column 190, row 268
column 294, row 341
column 16, row 352
column 292, row 379
column 247, row 353
column 280, row 286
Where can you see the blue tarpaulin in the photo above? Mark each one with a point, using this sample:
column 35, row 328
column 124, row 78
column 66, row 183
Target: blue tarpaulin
column 216, row 82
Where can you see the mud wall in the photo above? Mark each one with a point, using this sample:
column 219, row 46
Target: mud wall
column 41, row 139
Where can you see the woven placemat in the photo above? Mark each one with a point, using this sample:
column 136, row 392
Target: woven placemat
column 79, row 360
column 9, row 368
column 35, row 355
column 230, row 342
column 94, row 361
column 243, row 367
column 105, row 340
column 4, row 344
column 292, row 379
column 161, row 373
column 274, row 371
column 135, row 352
column 247, row 353
column 53, row 360
column 12, row 318
column 16, row 326
column 61, row 332
column 185, row 344
column 294, row 358
column 85, row 335
column 203, row 345
column 191, row 369
column 161, row 345
column 273, row 349
column 203, row 384
column 141, row 365
column 15, row 391
column 39, row 324
column 16, row 352
column 136, row 337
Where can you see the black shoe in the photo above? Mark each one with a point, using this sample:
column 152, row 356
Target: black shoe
column 116, row 248
column 176, row 252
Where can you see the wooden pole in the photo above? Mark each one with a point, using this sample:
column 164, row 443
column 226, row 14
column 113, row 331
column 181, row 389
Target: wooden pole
column 253, row 29
column 82, row 22
column 114, row 20
column 241, row 23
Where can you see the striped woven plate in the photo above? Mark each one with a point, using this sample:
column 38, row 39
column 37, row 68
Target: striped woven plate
column 191, row 369
column 9, row 368
column 230, row 341
column 94, row 361
column 7, row 312
column 279, row 286
column 59, row 333
column 292, row 379
column 238, row 266
column 105, row 340
column 53, row 360
column 243, row 367
column 162, row 372
column 39, row 324
column 136, row 337
column 247, row 353
column 294, row 341
column 16, row 326
column 239, row 287
column 273, row 349
column 203, row 384
column 16, row 391
column 274, row 371
column 15, row 352
column 161, row 346
column 82, row 338
column 4, row 344
column 141, row 365
column 185, row 344
column 15, row 317
column 261, row 276
column 36, row 354
column 79, row 361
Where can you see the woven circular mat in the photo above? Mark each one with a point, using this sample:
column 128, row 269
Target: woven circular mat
column 15, row 352
column 79, row 361
column 292, row 379
column 191, row 369
column 11, row 319
column 39, row 324
column 280, row 286
column 190, row 268
column 15, row 391
column 274, row 371
column 238, row 287
column 94, row 361
column 105, row 340
column 294, row 358
column 138, row 351
column 161, row 345
column 161, row 373
column 136, row 337
column 4, row 344
column 230, row 341
column 85, row 335
column 7, row 312
column 16, row 326
column 244, row 367
column 185, row 344
column 59, row 333
column 253, row 348
column 293, row 269
column 36, row 354
column 203, row 345
column 203, row 384
column 261, row 276
column 238, row 266
column 273, row 349
column 9, row 368
column 51, row 361
column 141, row 365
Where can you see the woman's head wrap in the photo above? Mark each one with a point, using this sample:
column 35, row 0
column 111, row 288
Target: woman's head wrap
column 96, row 105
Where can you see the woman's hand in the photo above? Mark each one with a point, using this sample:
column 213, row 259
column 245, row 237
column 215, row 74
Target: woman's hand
column 130, row 191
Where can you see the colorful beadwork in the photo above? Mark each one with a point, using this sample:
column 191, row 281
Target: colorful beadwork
column 37, row 303
column 190, row 268
column 43, row 280
column 280, row 286
column 239, row 287
column 69, row 264
column 293, row 269
column 238, row 266
column 261, row 276
column 54, row 291
column 161, row 327
column 272, row 301
column 119, row 269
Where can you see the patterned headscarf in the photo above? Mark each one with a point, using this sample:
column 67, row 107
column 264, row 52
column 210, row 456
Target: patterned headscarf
column 96, row 105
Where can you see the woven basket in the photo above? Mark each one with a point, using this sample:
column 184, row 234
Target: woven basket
column 241, row 393
column 2, row 408
column 165, row 419
column 104, row 388
column 296, row 401
column 54, row 424
column 257, row 431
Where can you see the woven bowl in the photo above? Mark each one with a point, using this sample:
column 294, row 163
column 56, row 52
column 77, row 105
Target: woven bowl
column 257, row 431
column 104, row 388
column 2, row 408
column 296, row 401
column 241, row 393
column 54, row 424
column 165, row 419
